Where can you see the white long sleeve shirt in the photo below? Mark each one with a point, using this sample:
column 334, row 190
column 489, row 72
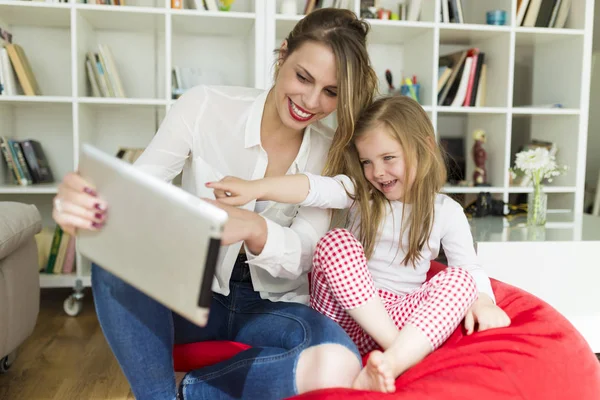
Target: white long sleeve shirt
column 450, row 230
column 211, row 132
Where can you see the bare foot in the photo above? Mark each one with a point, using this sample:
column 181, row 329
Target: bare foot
column 377, row 375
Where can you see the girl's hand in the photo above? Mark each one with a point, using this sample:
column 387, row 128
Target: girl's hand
column 235, row 191
column 486, row 315
column 77, row 206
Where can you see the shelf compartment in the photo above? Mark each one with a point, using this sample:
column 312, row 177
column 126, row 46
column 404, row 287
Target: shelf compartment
column 495, row 42
column 35, row 14
column 406, row 56
column 142, row 72
column 455, row 133
column 548, row 71
column 107, row 126
column 562, row 130
column 48, row 51
column 474, row 11
column 52, row 127
column 238, row 42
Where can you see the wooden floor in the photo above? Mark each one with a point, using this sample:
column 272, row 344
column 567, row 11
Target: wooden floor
column 65, row 358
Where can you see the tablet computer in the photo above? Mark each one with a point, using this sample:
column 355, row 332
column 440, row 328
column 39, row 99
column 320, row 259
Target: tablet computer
column 157, row 237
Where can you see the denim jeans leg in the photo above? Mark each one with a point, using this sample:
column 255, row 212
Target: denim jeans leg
column 140, row 333
column 278, row 332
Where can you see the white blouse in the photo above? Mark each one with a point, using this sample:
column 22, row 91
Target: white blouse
column 211, row 132
column 450, row 230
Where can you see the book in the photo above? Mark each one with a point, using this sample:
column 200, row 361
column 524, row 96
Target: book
column 8, row 158
column 9, row 80
column 563, row 13
column 23, row 70
column 37, row 161
column 521, row 12
column 19, row 158
column 554, row 13
column 44, row 244
column 481, row 87
column 455, row 61
column 111, row 68
column 62, row 252
column 461, row 92
column 477, row 81
column 545, row 13
column 443, row 76
column 532, row 13
column 69, row 263
column 58, row 233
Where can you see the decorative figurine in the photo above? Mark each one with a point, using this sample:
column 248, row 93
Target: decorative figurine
column 479, row 157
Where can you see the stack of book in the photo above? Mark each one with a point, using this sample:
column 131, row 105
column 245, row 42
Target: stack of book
column 462, row 79
column 543, row 13
column 102, row 73
column 56, row 251
column 26, row 162
column 14, row 61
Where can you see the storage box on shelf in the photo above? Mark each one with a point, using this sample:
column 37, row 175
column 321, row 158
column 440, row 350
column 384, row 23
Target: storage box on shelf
column 527, row 68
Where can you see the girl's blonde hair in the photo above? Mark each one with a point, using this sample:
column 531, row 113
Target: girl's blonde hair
column 406, row 121
column 346, row 35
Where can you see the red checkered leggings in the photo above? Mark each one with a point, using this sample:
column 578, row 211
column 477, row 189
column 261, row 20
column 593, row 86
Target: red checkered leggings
column 341, row 280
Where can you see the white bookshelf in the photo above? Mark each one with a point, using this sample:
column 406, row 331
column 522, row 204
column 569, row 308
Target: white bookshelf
column 527, row 68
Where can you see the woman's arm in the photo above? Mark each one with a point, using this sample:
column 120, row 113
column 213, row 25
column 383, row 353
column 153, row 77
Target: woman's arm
column 306, row 189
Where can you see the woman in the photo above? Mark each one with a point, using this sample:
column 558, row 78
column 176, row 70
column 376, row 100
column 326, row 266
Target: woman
column 260, row 288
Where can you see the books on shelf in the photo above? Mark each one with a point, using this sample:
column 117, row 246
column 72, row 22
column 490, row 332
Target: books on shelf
column 26, row 162
column 462, row 79
column 102, row 73
column 452, row 11
column 543, row 13
column 14, row 61
column 56, row 251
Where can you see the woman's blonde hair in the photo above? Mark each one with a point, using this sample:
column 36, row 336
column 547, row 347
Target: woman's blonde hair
column 406, row 121
column 346, row 35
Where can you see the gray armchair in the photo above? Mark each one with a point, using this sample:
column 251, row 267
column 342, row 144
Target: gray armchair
column 19, row 277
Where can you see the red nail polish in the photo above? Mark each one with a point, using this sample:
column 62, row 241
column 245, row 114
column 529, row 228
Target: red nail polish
column 99, row 215
column 99, row 207
column 96, row 225
column 89, row 191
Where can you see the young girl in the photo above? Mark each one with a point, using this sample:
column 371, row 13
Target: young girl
column 371, row 277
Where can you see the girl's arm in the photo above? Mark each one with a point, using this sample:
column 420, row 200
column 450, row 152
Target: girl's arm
column 457, row 242
column 306, row 189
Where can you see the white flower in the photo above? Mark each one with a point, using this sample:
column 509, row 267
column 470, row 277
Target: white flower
column 538, row 164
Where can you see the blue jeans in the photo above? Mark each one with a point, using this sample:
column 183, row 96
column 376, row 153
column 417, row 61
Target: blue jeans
column 141, row 333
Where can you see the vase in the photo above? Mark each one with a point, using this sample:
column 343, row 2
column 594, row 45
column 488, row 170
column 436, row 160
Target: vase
column 537, row 206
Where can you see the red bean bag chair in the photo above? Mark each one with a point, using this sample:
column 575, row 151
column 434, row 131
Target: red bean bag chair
column 540, row 356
